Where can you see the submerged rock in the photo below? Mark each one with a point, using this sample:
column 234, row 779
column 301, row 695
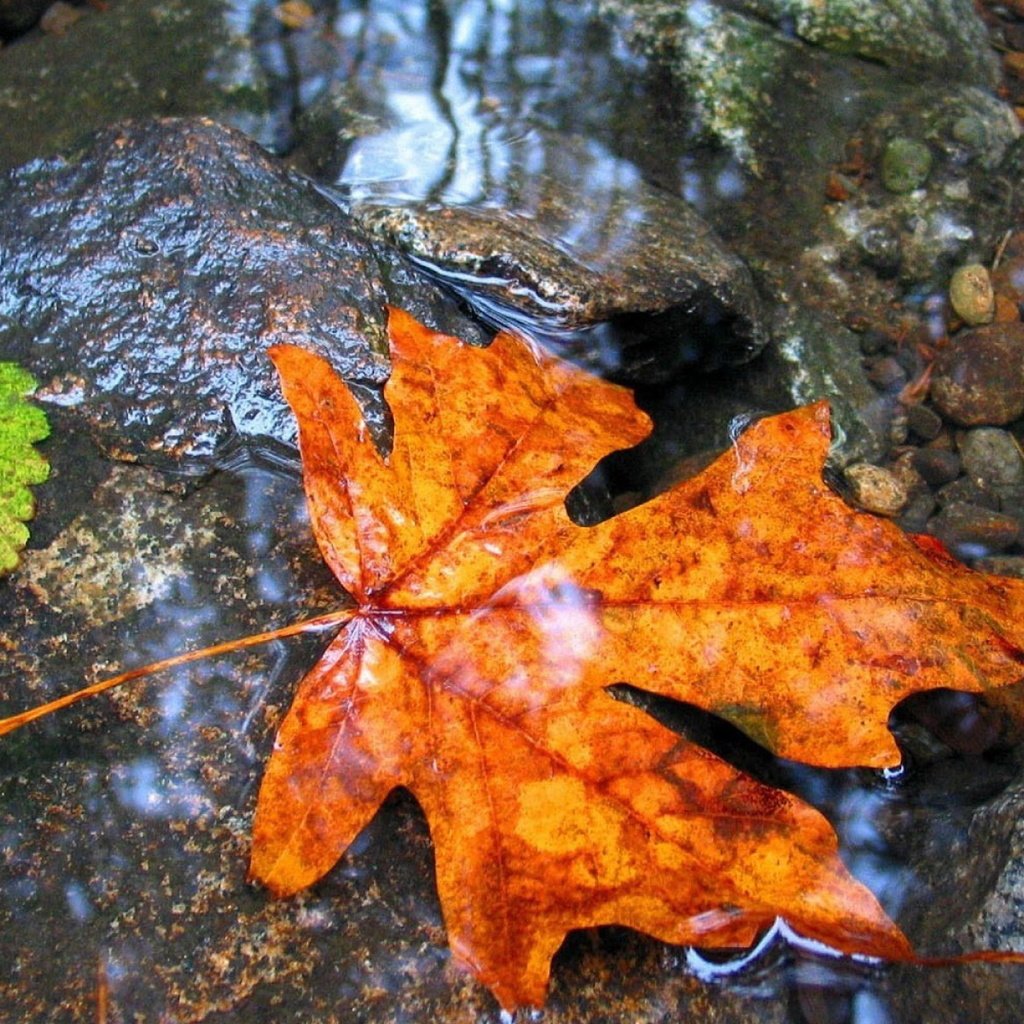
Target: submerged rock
column 905, row 164
column 866, row 247
column 137, row 59
column 734, row 56
column 626, row 275
column 979, row 378
column 142, row 280
column 971, row 294
column 939, row 36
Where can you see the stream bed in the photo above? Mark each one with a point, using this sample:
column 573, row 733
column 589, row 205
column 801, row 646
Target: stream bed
column 731, row 207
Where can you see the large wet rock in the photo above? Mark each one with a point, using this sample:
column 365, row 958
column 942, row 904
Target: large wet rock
column 534, row 206
column 142, row 280
column 920, row 35
column 132, row 59
column 585, row 244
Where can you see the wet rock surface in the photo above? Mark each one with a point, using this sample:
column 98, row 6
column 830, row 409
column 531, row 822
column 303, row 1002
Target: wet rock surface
column 697, row 43
column 145, row 277
column 979, row 378
column 921, row 34
column 541, row 253
column 131, row 58
column 125, row 823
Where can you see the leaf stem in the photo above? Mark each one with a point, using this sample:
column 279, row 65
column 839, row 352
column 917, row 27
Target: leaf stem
column 338, row 617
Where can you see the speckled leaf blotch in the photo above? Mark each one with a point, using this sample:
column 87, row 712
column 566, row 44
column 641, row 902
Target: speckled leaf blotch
column 21, row 425
column 489, row 625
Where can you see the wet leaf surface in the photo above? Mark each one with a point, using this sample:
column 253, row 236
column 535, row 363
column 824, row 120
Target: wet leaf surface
column 489, row 626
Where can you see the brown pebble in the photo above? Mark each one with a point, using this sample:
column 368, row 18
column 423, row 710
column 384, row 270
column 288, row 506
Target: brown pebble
column 294, row 13
column 972, row 531
column 876, row 489
column 1007, row 310
column 904, row 470
column 924, row 422
column 1013, row 62
column 964, row 489
column 938, row 467
column 59, row 17
column 979, row 379
column 887, row 374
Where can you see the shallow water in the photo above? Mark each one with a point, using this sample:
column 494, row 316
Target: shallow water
column 124, row 823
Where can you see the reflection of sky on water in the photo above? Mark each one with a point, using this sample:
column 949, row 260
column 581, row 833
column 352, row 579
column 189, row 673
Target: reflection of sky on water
column 839, row 986
column 479, row 104
column 79, row 904
column 470, row 121
column 144, row 787
column 563, row 618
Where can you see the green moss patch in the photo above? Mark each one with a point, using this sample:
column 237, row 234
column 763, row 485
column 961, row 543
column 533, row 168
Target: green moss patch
column 21, row 425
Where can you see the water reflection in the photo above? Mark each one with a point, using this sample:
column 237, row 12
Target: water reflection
column 459, row 133
column 468, row 102
column 78, row 900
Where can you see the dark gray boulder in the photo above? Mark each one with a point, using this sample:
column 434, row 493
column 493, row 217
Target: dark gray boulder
column 143, row 278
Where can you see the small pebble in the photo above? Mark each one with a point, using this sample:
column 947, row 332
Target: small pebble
column 887, row 374
column 1013, row 62
column 991, row 457
column 936, row 465
column 979, row 379
column 904, row 470
column 972, row 531
column 59, row 17
column 964, row 489
column 294, row 14
column 971, row 294
column 906, row 164
column 971, row 131
column 1007, row 310
column 917, row 511
column 876, row 489
column 924, row 422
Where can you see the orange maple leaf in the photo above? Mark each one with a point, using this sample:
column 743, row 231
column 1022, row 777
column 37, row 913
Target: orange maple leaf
column 489, row 625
